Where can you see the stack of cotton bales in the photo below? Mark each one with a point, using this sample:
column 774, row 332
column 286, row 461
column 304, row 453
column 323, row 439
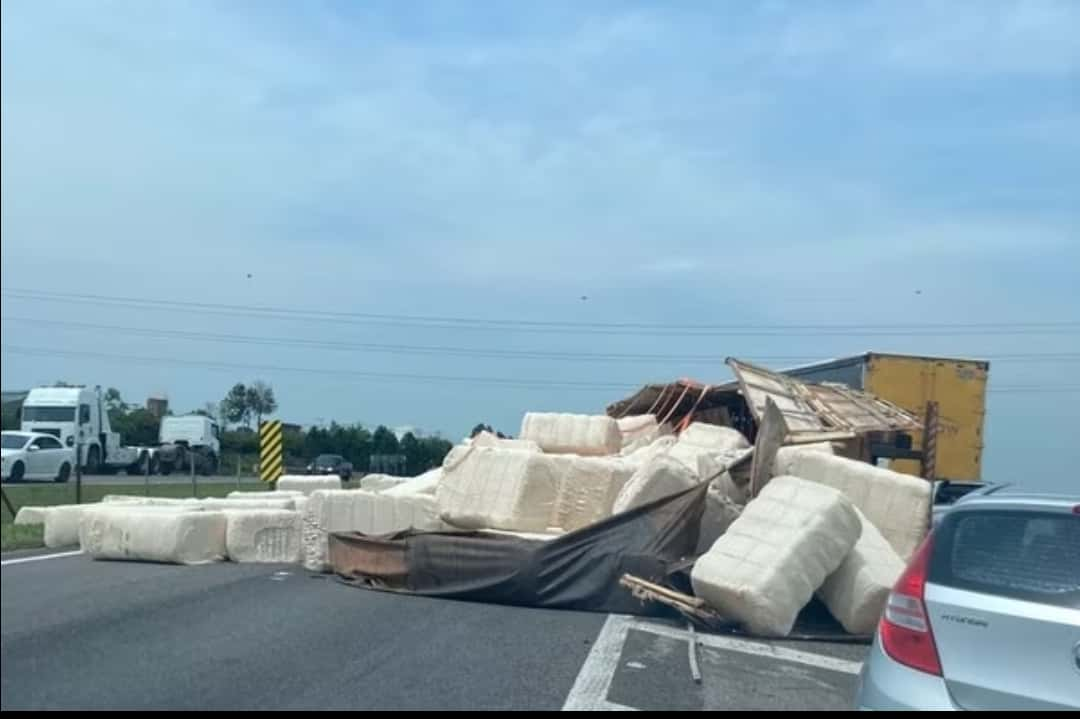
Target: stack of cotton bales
column 307, row 483
column 330, row 511
column 833, row 526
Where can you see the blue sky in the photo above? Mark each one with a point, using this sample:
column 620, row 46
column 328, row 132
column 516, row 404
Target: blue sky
column 765, row 163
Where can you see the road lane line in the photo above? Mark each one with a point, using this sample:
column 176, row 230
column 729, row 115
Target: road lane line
column 40, row 558
column 593, row 682
column 745, row 646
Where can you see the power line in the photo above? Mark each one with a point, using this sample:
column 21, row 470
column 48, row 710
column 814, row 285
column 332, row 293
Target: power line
column 442, row 350
column 558, row 327
column 357, row 374
column 509, row 382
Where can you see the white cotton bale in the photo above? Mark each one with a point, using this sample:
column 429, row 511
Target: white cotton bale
column 267, row 502
column 62, row 525
column 764, row 569
column 857, row 591
column 31, row 515
column 145, row 501
column 572, row 433
column 487, row 439
column 661, row 476
column 489, row 487
column 263, row 494
column 307, row 483
column 379, row 482
column 720, row 513
column 587, row 488
column 786, row 455
column 637, row 431
column 639, row 456
column 897, row 504
column 153, row 534
column 263, row 535
column 426, row 483
column 329, row 511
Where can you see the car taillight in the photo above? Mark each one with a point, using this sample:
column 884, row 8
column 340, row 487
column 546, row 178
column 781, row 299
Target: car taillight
column 905, row 630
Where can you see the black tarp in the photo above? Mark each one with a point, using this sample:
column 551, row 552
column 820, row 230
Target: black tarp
column 579, row 570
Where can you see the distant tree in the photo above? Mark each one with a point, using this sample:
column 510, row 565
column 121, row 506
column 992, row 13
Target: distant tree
column 234, row 407
column 113, row 400
column 260, row 400
column 383, row 441
column 11, row 415
column 481, row 428
column 137, row 426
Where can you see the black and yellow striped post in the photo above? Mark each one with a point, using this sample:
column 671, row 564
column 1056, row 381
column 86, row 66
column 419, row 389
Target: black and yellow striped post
column 271, row 461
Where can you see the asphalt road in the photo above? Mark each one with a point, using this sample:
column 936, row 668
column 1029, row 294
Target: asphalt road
column 110, row 635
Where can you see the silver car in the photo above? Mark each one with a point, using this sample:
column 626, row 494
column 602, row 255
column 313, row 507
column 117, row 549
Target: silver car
column 987, row 614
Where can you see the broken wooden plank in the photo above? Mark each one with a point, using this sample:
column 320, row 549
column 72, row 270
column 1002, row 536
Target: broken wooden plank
column 771, row 434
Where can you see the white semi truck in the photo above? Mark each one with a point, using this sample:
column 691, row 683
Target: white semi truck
column 77, row 416
column 186, row 441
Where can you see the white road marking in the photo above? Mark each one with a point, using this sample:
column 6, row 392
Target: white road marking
column 746, row 646
column 40, row 558
column 593, row 682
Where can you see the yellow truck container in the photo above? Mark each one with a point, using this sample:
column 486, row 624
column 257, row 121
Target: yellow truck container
column 910, row 381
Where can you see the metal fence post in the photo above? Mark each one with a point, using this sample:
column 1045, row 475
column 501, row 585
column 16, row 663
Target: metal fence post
column 194, row 486
column 78, row 473
column 148, row 463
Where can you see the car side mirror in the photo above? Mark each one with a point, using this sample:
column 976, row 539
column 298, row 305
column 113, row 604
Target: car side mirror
column 32, row 448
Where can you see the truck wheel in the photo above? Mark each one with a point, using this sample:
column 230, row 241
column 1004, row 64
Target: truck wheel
column 93, row 460
column 65, row 472
column 166, row 468
column 209, row 466
column 17, row 471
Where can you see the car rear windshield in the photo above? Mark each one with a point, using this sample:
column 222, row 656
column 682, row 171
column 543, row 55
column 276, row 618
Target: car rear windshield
column 1034, row 556
column 328, row 459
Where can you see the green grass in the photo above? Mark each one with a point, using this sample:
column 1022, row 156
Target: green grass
column 20, row 536
column 47, row 495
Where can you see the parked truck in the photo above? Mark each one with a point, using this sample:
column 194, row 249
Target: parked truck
column 187, row 441
column 77, row 417
column 910, row 381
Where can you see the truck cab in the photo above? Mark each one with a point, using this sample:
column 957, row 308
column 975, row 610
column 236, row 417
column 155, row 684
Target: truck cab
column 77, row 417
column 71, row 414
column 187, row 441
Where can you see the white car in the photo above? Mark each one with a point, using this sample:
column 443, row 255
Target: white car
column 31, row 455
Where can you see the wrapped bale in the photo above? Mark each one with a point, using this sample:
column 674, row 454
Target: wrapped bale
column 487, row 439
column 660, row 477
column 640, row 456
column 31, row 515
column 379, row 482
column 700, row 438
column 572, row 433
column 587, row 488
column 785, row 456
column 62, row 524
column 489, row 487
column 329, row 511
column 857, row 591
column 145, row 501
column 263, row 535
column 728, row 471
column 720, row 513
column 637, row 431
column 766, row 566
column 307, row 484
column 267, row 502
column 257, row 494
column 426, row 483
column 153, row 534
column 897, row 504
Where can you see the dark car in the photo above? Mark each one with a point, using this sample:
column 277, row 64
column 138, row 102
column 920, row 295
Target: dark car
column 331, row 464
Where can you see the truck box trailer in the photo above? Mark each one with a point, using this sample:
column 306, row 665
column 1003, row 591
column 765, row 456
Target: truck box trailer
column 910, row 381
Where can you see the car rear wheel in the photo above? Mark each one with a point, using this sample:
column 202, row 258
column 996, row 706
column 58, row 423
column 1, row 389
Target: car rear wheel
column 17, row 471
